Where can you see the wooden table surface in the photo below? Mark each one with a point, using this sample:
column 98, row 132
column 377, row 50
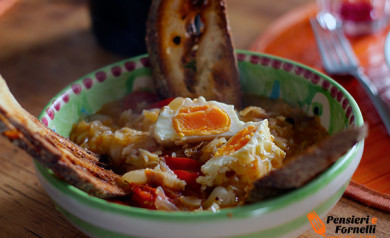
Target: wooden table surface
column 45, row 45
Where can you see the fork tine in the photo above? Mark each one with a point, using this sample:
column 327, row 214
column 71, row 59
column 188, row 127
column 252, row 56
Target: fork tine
column 347, row 47
column 316, row 30
column 338, row 49
column 329, row 52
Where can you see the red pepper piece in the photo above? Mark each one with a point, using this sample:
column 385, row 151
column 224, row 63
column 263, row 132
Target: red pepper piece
column 160, row 104
column 143, row 196
column 176, row 163
column 134, row 99
column 189, row 177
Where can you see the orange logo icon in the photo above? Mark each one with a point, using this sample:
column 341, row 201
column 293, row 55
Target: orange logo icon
column 355, row 225
column 316, row 223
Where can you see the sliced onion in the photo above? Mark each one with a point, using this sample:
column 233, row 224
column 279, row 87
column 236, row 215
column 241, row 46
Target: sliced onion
column 162, row 202
column 221, row 196
column 190, row 201
column 136, row 176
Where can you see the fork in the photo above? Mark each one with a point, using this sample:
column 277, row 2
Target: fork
column 338, row 58
column 316, row 223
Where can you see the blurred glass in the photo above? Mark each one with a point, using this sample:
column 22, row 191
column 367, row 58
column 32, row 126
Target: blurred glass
column 357, row 17
column 120, row 25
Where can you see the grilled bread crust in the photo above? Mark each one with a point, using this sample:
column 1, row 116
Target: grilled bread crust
column 67, row 160
column 191, row 50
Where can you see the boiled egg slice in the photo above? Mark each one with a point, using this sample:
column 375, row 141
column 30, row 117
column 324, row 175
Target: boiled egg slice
column 246, row 157
column 185, row 121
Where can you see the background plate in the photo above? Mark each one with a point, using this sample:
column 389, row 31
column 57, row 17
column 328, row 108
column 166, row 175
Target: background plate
column 387, row 49
column 291, row 37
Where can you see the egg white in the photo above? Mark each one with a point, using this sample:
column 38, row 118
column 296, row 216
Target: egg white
column 165, row 133
column 252, row 161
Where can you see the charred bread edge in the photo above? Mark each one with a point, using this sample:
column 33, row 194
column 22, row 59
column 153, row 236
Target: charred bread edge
column 67, row 160
column 313, row 161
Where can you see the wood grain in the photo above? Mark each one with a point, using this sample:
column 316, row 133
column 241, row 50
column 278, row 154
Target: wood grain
column 6, row 5
column 45, row 45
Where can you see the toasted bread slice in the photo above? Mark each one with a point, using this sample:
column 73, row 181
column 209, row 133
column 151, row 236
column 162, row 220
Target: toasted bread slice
column 67, row 160
column 304, row 167
column 191, row 50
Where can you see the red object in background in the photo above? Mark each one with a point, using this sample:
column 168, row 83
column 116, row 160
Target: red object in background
column 360, row 11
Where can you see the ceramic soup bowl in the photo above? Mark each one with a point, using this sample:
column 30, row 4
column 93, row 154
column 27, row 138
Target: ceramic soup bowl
column 264, row 75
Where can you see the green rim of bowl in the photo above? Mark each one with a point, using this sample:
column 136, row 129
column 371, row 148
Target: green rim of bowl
column 280, row 230
column 229, row 213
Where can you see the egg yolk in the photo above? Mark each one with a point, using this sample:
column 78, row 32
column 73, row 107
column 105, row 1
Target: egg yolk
column 238, row 141
column 201, row 120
